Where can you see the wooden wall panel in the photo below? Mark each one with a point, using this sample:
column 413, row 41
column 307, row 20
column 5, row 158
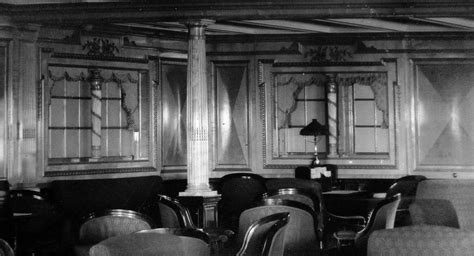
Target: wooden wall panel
column 232, row 113
column 444, row 107
column 3, row 112
column 173, row 96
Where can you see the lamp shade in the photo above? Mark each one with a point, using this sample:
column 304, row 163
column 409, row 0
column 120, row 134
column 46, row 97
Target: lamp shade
column 314, row 129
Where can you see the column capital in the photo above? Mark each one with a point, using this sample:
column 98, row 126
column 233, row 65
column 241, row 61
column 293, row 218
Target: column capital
column 331, row 83
column 95, row 79
column 198, row 22
column 196, row 28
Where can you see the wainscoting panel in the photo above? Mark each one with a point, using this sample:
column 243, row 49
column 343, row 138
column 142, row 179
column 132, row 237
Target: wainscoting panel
column 173, row 97
column 232, row 99
column 444, row 105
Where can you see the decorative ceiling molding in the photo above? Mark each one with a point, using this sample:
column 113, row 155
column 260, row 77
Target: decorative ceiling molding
column 251, row 18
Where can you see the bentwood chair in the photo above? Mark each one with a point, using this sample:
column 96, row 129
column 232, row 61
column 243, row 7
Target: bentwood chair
column 406, row 186
column 300, row 233
column 161, row 241
column 5, row 248
column 295, row 194
column 327, row 222
column 381, row 217
column 168, row 212
column 238, row 192
column 265, row 237
column 99, row 226
column 37, row 223
column 5, row 211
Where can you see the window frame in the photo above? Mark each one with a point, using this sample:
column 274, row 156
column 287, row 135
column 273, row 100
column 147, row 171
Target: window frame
column 344, row 160
column 50, row 168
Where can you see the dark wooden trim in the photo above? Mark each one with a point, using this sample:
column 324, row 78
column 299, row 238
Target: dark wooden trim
column 98, row 171
column 327, row 64
column 100, row 58
column 231, row 9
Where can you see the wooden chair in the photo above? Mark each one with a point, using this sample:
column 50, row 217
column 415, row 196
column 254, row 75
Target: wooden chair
column 406, row 186
column 265, row 237
column 173, row 214
column 5, row 211
column 38, row 223
column 239, row 191
column 6, row 249
column 295, row 194
column 300, row 235
column 382, row 217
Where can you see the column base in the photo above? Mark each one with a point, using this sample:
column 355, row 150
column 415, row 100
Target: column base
column 198, row 192
column 203, row 209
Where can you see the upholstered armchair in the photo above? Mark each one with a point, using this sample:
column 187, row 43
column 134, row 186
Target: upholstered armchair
column 300, row 236
column 421, row 240
column 265, row 237
column 381, row 217
column 169, row 242
column 99, row 226
column 438, row 212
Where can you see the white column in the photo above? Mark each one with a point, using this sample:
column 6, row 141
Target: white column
column 95, row 81
column 332, row 115
column 197, row 107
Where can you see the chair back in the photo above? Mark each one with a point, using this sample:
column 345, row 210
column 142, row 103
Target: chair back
column 294, row 194
column 300, row 234
column 173, row 214
column 40, row 224
column 4, row 199
column 460, row 192
column 406, row 186
column 238, row 192
column 160, row 241
column 421, row 240
column 381, row 217
column 265, row 237
column 302, row 186
column 99, row 226
column 5, row 211
column 439, row 212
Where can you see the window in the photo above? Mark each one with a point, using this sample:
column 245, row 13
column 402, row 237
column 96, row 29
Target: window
column 104, row 128
column 299, row 98
column 292, row 94
column 70, row 112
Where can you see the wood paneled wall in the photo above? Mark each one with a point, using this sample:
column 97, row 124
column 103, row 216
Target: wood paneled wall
column 423, row 115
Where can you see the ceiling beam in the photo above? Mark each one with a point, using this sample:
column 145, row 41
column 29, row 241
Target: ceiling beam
column 137, row 11
column 306, row 27
column 392, row 25
column 453, row 22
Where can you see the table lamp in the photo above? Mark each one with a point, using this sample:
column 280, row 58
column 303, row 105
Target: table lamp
column 314, row 129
